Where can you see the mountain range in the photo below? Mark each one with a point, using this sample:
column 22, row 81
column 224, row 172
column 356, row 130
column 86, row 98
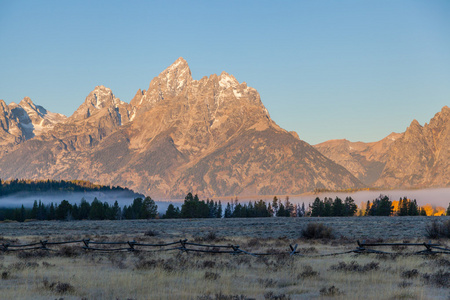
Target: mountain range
column 416, row 158
column 211, row 136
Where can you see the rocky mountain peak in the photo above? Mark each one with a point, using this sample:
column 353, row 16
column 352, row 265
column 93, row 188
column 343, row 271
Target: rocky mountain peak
column 26, row 101
column 226, row 80
column 176, row 76
column 101, row 97
column 415, row 124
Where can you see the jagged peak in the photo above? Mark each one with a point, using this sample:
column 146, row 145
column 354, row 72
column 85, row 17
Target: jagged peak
column 101, row 89
column 226, row 80
column 180, row 63
column 179, row 68
column 26, row 101
column 415, row 123
column 175, row 77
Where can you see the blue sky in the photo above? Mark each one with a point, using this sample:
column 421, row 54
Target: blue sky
column 326, row 69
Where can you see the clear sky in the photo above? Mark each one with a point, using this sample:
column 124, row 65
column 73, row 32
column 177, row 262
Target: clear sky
column 326, row 69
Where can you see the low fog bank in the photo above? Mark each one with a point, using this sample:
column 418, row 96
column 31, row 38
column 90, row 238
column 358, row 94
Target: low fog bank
column 434, row 197
column 27, row 199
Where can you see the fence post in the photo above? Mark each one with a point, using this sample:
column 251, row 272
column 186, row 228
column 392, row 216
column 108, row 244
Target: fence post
column 361, row 247
column 236, row 249
column 429, row 250
column 86, row 243
column 131, row 244
column 183, row 245
column 293, row 249
column 44, row 245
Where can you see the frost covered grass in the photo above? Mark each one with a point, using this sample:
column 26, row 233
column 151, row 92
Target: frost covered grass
column 72, row 273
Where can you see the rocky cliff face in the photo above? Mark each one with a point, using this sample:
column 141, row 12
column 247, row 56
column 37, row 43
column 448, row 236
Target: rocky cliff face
column 212, row 136
column 421, row 157
column 417, row 158
column 23, row 121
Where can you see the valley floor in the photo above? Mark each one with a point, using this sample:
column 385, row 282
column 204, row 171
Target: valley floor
column 71, row 272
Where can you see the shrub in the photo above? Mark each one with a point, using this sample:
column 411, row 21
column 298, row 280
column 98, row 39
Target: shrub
column 212, row 276
column 317, row 231
column 410, row 274
column 436, row 229
column 433, row 230
column 330, row 292
column 353, row 266
column 446, row 229
column 307, row 272
column 151, row 233
column 272, row 296
column 439, row 279
column 58, row 287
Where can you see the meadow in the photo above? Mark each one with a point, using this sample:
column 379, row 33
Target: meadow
column 70, row 272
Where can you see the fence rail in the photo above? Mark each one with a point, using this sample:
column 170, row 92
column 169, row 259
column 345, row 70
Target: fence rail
column 185, row 246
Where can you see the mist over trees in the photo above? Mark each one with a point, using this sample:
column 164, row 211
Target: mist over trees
column 193, row 207
column 20, row 185
column 96, row 210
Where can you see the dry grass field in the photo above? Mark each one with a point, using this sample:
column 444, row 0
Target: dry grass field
column 71, row 272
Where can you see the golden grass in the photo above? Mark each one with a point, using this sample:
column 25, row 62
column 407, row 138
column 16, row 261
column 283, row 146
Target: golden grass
column 176, row 275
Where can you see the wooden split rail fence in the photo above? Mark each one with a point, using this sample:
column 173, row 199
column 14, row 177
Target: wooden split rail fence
column 185, row 246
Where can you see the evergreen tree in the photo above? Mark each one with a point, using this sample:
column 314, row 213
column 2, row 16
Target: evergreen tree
column 270, row 210
column 85, row 209
column 317, row 208
column 368, row 211
column 413, row 208
column 22, row 214
column 403, row 206
column 97, row 211
column 423, row 212
column 136, row 208
column 51, row 212
column 275, row 205
column 219, row 210
column 289, row 208
column 172, row 212
column 63, row 210
column 75, row 212
column 42, row 212
column 34, row 210
column 149, row 210
column 194, row 208
column 116, row 211
column 228, row 211
column 448, row 210
column 350, row 207
column 337, row 208
column 281, row 211
column 381, row 206
column 327, row 207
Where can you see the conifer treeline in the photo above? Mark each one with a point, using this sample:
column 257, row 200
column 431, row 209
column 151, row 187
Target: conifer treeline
column 96, row 210
column 383, row 206
column 193, row 207
column 20, row 185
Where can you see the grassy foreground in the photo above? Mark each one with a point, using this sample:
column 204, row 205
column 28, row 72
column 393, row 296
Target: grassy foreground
column 72, row 273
